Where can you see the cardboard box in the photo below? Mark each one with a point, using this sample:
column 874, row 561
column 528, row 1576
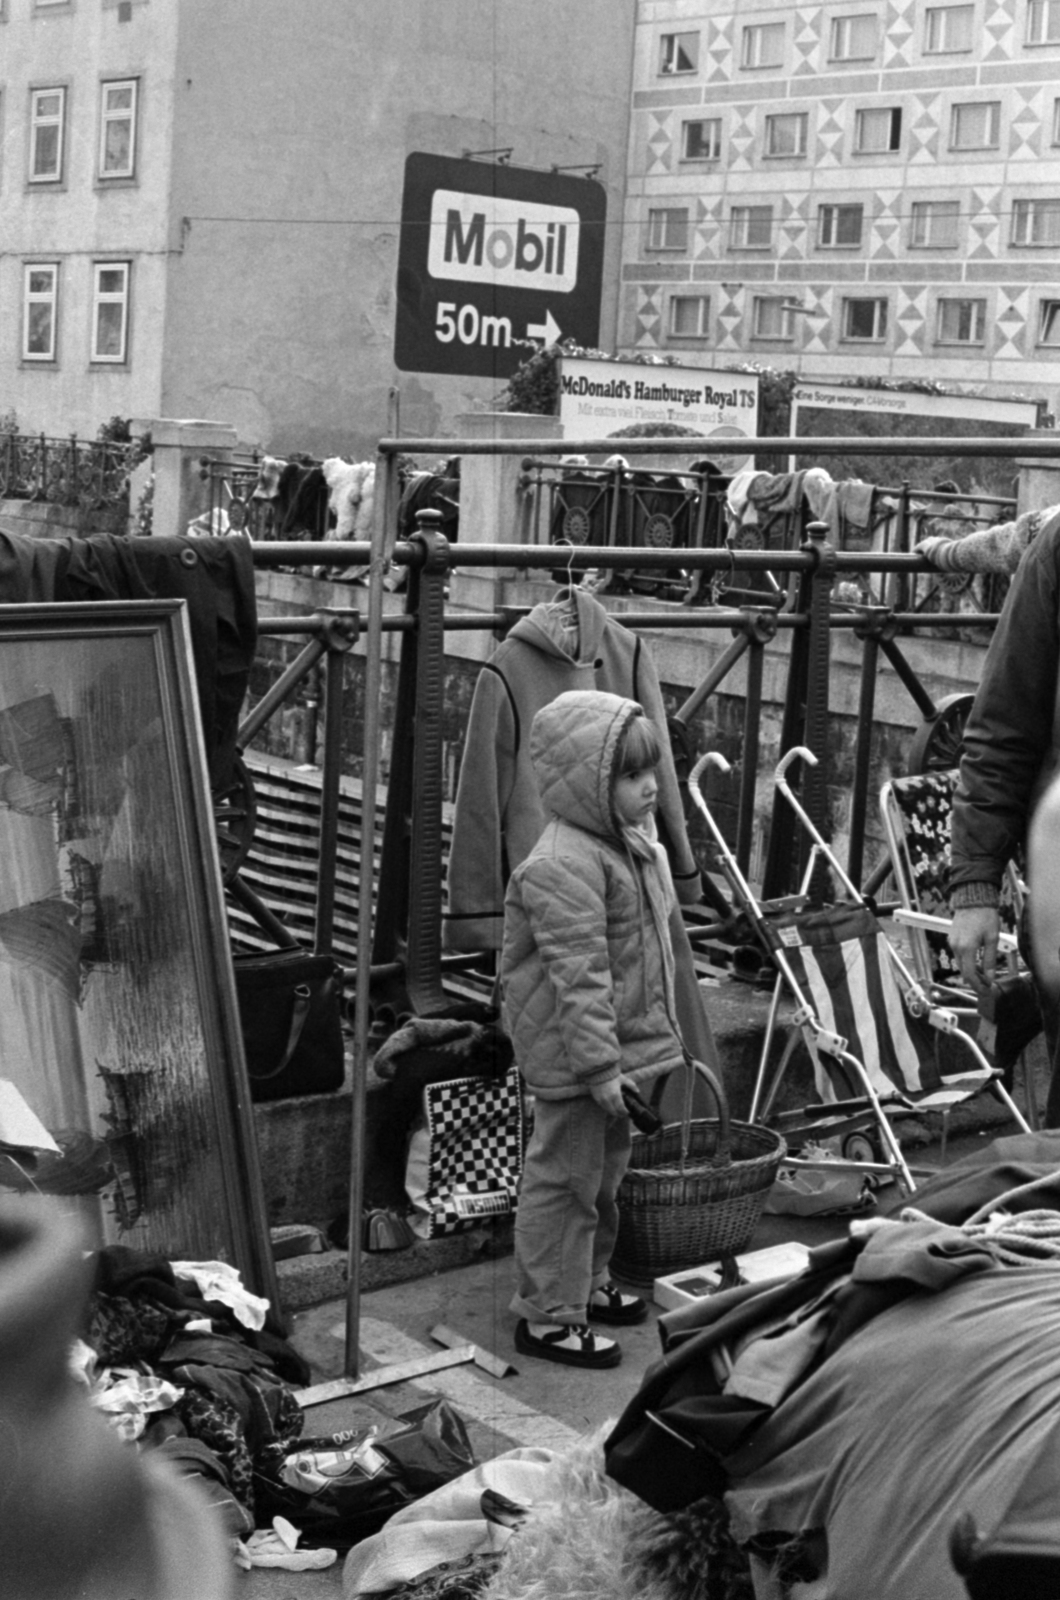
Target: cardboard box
column 757, row 1266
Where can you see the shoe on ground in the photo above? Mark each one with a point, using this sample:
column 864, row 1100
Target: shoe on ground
column 609, row 1304
column 572, row 1344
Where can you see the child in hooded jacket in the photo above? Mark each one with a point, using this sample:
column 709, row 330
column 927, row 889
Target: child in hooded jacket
column 587, row 983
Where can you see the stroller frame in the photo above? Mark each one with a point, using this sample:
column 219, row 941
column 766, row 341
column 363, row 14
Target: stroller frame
column 870, row 1110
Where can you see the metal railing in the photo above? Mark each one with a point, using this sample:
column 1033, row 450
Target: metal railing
column 400, row 907
column 92, row 473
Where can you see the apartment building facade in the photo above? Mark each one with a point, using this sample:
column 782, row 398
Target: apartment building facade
column 201, row 200
column 849, row 189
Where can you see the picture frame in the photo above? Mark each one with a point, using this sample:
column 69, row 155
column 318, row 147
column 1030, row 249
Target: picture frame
column 119, row 1023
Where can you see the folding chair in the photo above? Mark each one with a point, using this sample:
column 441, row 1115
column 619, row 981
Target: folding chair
column 915, row 812
column 879, row 1046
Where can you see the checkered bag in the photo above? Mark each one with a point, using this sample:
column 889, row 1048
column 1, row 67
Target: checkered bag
column 466, row 1156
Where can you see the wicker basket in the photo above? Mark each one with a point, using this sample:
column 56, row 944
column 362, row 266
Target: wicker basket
column 694, row 1192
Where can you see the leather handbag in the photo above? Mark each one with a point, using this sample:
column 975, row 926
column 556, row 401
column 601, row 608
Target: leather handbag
column 290, row 1007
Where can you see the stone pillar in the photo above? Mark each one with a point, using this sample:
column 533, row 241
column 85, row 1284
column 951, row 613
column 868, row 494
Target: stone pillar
column 493, row 510
column 180, row 492
column 1038, row 483
column 491, row 502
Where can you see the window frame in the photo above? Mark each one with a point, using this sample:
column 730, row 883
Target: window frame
column 846, row 23
column 101, row 298
column 31, row 298
column 700, row 122
column 37, row 124
column 741, row 226
column 1049, row 12
column 895, row 115
column 802, row 120
column 668, row 67
column 702, row 330
column 931, row 209
column 662, row 243
column 758, row 301
column 975, row 302
column 759, row 31
column 993, row 107
column 1048, row 316
column 106, row 118
column 836, row 206
column 940, row 46
column 880, row 318
column 1050, row 207
column 1056, row 122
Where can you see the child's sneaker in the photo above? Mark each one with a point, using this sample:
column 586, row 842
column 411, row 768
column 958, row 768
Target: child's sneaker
column 573, row 1344
column 609, row 1304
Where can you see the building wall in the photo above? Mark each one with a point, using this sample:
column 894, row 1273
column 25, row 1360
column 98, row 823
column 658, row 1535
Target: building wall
column 82, row 219
column 994, row 65
column 282, row 294
column 264, row 217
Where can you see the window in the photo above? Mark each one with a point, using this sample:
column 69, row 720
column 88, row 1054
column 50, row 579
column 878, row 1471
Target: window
column 1056, row 122
column 763, row 45
column 40, row 304
column 962, row 321
column 1043, row 22
column 1036, row 222
column 878, row 130
column 689, row 316
column 853, row 38
column 701, row 141
column 948, row 29
column 679, row 52
column 786, row 134
column 117, row 133
column 1049, row 331
column 839, row 225
column 47, row 108
column 772, row 318
column 668, row 230
column 751, row 227
column 864, row 319
column 934, row 224
column 976, row 126
column 110, row 310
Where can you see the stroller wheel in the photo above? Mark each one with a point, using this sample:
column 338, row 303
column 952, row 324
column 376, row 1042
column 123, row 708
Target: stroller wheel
column 861, row 1147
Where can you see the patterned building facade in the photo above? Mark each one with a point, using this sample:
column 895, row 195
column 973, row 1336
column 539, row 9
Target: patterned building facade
column 849, row 189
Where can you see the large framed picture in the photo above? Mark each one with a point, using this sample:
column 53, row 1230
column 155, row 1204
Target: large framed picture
column 119, row 1025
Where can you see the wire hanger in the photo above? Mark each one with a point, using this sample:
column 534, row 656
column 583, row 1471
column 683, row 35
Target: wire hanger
column 564, row 605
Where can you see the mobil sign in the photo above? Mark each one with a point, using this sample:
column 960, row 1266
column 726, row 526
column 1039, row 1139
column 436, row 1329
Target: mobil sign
column 492, row 260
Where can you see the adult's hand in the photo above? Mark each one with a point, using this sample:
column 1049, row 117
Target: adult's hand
column 608, row 1097
column 973, row 939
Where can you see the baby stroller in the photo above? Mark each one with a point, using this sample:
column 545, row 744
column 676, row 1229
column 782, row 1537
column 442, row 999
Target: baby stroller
column 880, row 1046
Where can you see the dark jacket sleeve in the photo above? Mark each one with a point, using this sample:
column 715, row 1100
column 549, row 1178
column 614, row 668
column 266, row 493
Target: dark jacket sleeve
column 1010, row 739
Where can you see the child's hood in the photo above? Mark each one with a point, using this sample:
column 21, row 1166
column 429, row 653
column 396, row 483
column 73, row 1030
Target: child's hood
column 573, row 744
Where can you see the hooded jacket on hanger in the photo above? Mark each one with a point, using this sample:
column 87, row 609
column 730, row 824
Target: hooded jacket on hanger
column 499, row 814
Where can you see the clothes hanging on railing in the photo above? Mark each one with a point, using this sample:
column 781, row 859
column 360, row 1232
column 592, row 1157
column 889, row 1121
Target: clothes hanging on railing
column 499, row 816
column 214, row 576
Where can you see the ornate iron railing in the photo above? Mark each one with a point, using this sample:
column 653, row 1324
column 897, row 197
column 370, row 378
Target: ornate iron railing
column 71, row 472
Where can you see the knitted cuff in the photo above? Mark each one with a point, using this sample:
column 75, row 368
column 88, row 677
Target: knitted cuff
column 964, row 895
column 936, row 550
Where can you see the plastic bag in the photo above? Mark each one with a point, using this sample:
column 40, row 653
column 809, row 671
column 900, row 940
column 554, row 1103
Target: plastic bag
column 363, row 1480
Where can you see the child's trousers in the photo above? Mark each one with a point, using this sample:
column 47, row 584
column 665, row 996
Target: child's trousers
column 566, row 1220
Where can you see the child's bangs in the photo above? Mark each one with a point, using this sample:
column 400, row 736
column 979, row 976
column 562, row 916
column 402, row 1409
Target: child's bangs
column 640, row 747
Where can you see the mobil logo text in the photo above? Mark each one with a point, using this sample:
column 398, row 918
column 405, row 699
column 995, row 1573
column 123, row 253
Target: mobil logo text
column 478, row 238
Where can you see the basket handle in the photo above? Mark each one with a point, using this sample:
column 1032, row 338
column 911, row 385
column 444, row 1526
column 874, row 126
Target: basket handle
column 722, row 1156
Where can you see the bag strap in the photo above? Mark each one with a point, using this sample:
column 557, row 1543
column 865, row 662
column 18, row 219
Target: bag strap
column 301, row 998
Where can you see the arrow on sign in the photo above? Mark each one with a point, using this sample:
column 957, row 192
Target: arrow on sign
column 548, row 331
